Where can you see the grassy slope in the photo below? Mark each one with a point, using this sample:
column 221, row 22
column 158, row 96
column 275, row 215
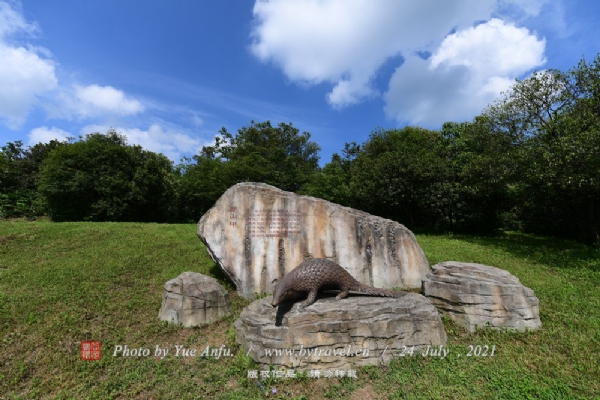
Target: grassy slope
column 64, row 283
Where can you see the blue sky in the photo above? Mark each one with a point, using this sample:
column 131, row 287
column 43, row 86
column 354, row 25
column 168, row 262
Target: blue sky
column 170, row 74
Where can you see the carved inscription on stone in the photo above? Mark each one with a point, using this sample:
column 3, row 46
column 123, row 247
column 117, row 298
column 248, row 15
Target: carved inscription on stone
column 232, row 216
column 272, row 223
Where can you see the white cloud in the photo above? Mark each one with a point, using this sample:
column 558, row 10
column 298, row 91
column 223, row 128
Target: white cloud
column 94, row 99
column 349, row 92
column 197, row 121
column 25, row 73
column 493, row 48
column 12, row 21
column 530, row 7
column 419, row 96
column 344, row 42
column 468, row 71
column 43, row 134
column 28, row 79
column 168, row 142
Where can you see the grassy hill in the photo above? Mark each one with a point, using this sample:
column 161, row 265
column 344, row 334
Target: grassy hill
column 63, row 283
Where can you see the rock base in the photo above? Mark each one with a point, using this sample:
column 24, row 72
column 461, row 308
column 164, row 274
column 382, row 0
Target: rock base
column 479, row 296
column 352, row 332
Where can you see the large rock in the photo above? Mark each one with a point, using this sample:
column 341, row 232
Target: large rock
column 356, row 331
column 193, row 299
column 257, row 233
column 480, row 296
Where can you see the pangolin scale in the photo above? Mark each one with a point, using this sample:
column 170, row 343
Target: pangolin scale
column 317, row 274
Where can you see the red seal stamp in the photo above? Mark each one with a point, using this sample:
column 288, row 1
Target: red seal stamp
column 90, row 350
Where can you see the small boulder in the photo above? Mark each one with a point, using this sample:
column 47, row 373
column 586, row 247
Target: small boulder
column 352, row 332
column 193, row 299
column 480, row 296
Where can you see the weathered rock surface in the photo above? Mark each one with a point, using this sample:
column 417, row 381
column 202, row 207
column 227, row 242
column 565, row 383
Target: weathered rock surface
column 480, row 296
column 331, row 333
column 193, row 299
column 257, row 233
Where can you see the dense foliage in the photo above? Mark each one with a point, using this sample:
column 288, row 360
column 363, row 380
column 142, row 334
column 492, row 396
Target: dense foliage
column 447, row 180
column 280, row 156
column 552, row 120
column 102, row 179
column 398, row 173
column 529, row 162
column 19, row 178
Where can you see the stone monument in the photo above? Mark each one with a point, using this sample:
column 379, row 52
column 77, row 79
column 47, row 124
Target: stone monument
column 257, row 233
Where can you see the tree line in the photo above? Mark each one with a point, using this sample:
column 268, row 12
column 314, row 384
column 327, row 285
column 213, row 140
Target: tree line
column 529, row 162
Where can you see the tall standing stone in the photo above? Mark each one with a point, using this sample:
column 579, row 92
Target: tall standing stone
column 257, row 233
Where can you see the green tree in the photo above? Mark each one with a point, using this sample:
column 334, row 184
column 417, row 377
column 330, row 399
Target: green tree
column 102, row 179
column 553, row 117
column 19, row 178
column 202, row 184
column 399, row 174
column 476, row 189
column 332, row 182
column 279, row 156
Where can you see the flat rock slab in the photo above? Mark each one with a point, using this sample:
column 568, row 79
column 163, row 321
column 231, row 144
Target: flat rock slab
column 479, row 296
column 331, row 333
column 257, row 233
column 193, row 299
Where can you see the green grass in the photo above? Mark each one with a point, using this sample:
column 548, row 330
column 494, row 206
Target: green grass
column 63, row 283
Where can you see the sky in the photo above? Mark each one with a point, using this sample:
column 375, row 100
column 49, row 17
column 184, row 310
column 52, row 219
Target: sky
column 169, row 74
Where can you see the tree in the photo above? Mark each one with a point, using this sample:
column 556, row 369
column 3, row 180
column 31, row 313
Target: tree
column 478, row 163
column 333, row 181
column 202, row 184
column 102, row 179
column 19, row 178
column 399, row 174
column 554, row 118
column 279, row 156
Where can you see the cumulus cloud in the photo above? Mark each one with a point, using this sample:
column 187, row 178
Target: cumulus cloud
column 96, row 100
column 345, row 42
column 43, row 134
column 12, row 21
column 494, row 48
column 91, row 101
column 468, row 71
column 168, row 142
column 25, row 73
column 106, row 98
column 28, row 79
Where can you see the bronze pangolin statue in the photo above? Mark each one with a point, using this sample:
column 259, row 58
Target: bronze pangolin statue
column 317, row 274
